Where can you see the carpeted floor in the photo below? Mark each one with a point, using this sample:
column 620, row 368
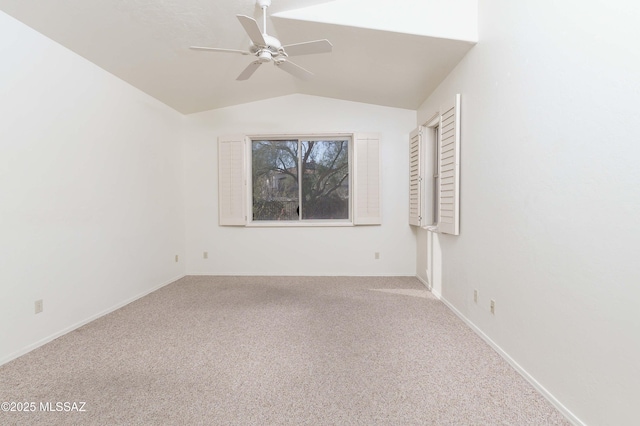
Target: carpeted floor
column 274, row 351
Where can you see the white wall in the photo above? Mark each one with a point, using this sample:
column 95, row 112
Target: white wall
column 298, row 251
column 550, row 197
column 90, row 190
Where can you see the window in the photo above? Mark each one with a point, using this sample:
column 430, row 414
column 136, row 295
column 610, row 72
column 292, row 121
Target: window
column 319, row 180
column 434, row 191
column 303, row 179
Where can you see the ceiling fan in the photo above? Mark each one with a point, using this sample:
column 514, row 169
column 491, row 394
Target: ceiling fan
column 269, row 49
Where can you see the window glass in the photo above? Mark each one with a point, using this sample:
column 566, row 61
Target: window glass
column 325, row 179
column 275, row 180
column 290, row 177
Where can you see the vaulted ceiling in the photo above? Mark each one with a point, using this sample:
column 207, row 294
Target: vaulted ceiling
column 386, row 53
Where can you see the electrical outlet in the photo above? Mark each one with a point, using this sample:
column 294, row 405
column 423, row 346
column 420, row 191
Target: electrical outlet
column 39, row 306
column 176, row 257
column 377, row 255
column 475, row 296
column 205, row 255
column 493, row 307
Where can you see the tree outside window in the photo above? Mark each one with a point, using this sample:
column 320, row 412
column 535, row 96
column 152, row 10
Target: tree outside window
column 298, row 179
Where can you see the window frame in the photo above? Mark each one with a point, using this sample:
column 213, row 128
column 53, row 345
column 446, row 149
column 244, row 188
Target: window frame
column 432, row 130
column 300, row 137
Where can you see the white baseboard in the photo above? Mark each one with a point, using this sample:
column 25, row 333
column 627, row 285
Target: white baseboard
column 205, row 274
column 79, row 324
column 528, row 377
column 426, row 284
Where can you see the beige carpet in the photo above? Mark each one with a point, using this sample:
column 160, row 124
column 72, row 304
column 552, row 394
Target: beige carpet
column 275, row 351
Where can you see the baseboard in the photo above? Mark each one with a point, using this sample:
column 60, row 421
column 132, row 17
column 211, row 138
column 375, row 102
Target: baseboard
column 79, row 324
column 426, row 284
column 203, row 274
column 528, row 377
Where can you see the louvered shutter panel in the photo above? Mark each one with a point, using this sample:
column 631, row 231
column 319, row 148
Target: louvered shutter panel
column 231, row 180
column 449, row 165
column 415, row 178
column 366, row 171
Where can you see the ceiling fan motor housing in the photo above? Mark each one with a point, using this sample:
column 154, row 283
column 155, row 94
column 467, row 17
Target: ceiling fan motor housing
column 273, row 48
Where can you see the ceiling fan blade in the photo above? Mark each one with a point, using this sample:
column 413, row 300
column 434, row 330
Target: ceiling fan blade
column 249, row 70
column 308, row 48
column 251, row 27
column 216, row 49
column 294, row 70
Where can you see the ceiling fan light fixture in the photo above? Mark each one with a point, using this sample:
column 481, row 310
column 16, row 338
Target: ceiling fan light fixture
column 264, row 56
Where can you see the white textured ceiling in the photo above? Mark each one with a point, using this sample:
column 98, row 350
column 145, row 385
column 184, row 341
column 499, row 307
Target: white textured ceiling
column 145, row 42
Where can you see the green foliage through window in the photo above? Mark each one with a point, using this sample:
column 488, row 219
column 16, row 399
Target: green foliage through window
column 300, row 179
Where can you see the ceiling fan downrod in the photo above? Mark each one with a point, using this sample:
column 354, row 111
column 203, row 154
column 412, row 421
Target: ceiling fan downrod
column 264, row 4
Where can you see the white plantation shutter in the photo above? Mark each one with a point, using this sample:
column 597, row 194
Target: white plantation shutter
column 231, row 180
column 415, row 177
column 449, row 169
column 366, row 179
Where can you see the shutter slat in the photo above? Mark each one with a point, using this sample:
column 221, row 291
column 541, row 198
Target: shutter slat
column 449, row 164
column 231, row 180
column 366, row 180
column 415, row 187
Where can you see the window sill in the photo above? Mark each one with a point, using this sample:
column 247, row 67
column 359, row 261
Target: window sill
column 299, row 224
